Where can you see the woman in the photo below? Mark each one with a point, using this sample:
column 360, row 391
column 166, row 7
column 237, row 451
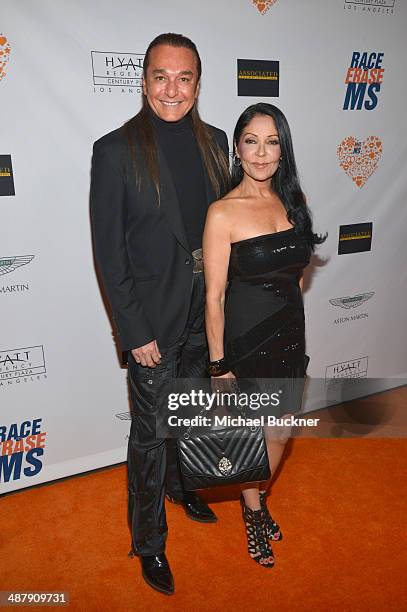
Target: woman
column 259, row 238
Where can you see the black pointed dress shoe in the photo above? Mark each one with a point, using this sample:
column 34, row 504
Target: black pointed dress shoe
column 195, row 507
column 157, row 573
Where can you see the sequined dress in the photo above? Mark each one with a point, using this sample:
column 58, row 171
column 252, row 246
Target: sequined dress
column 264, row 314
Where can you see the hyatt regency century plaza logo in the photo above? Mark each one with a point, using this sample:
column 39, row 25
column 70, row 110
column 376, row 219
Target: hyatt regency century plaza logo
column 117, row 72
column 352, row 368
column 371, row 7
column 22, row 365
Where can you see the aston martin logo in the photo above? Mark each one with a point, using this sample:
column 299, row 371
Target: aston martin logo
column 9, row 264
column 124, row 416
column 351, row 301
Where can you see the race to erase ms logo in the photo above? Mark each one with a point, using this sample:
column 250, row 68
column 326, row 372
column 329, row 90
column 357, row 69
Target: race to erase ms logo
column 359, row 158
column 5, row 50
column 21, row 450
column 363, row 80
column 263, row 5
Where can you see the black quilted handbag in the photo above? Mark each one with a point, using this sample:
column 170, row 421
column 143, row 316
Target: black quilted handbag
column 216, row 457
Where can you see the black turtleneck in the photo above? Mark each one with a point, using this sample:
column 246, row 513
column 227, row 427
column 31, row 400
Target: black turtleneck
column 178, row 143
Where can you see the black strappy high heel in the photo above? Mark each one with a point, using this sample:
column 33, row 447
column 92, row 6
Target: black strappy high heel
column 273, row 530
column 257, row 544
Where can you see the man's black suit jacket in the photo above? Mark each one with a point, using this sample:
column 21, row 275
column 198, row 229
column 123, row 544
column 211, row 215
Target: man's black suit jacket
column 141, row 247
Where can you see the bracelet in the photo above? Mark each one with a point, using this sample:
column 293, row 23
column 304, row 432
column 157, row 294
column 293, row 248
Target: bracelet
column 218, row 367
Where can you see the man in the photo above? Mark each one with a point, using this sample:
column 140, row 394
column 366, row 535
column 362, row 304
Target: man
column 152, row 182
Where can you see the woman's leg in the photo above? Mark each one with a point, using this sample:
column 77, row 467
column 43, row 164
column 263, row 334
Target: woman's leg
column 251, row 496
column 275, row 450
column 250, row 492
column 254, row 519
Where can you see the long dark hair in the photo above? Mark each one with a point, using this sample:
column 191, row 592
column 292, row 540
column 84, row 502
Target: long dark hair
column 285, row 181
column 139, row 129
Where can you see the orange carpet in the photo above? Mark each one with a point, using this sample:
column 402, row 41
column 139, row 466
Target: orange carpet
column 340, row 504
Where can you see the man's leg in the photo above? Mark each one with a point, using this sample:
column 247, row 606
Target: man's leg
column 194, row 353
column 191, row 365
column 146, row 458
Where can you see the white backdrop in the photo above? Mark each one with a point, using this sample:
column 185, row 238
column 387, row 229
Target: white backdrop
column 51, row 112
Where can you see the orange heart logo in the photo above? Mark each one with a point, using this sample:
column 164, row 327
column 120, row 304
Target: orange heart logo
column 263, row 5
column 5, row 50
column 359, row 158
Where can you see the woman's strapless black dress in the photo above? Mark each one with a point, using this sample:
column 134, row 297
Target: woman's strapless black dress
column 264, row 313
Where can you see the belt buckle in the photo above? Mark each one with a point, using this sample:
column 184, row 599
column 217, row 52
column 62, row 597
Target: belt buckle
column 198, row 261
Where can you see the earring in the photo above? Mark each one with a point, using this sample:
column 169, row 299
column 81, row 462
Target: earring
column 238, row 160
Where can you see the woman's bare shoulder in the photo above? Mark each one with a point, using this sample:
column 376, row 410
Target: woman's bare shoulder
column 227, row 204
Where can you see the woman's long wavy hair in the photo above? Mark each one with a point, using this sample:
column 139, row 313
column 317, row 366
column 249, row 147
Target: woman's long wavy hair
column 285, row 181
column 140, row 132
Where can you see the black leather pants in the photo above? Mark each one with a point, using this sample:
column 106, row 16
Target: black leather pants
column 152, row 463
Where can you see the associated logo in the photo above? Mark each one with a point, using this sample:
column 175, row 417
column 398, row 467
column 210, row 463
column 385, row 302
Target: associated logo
column 364, row 79
column 351, row 301
column 353, row 368
column 9, row 264
column 5, row 50
column 258, row 78
column 379, row 7
column 120, row 72
column 6, row 176
column 21, row 449
column 263, row 5
column 22, row 365
column 355, row 238
column 359, row 158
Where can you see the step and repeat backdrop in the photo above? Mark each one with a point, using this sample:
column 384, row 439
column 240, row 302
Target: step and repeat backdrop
column 70, row 72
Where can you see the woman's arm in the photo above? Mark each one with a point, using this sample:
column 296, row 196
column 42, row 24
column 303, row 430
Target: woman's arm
column 216, row 252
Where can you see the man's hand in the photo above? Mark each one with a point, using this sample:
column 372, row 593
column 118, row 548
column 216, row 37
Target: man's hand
column 147, row 355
